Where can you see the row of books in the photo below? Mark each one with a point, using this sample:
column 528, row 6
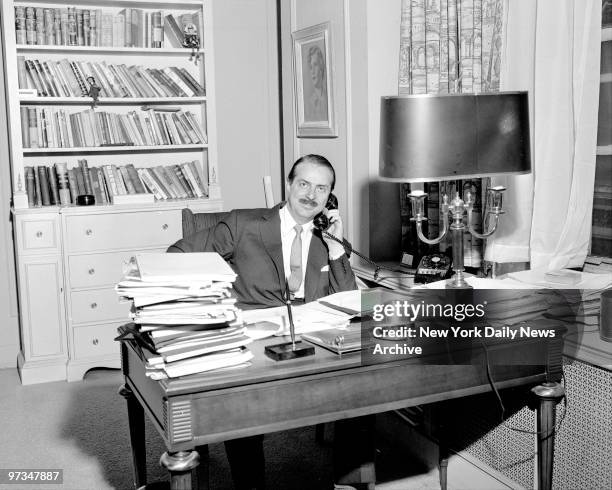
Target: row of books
column 59, row 185
column 47, row 127
column 130, row 27
column 184, row 314
column 66, row 78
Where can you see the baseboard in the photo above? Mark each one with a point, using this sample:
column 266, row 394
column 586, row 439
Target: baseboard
column 44, row 371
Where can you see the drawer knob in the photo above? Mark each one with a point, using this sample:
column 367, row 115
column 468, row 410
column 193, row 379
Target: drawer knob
column 88, row 231
column 164, row 226
column 94, row 306
column 39, row 234
column 91, row 271
column 95, row 341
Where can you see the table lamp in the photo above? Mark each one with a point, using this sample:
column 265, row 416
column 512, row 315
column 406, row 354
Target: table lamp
column 427, row 138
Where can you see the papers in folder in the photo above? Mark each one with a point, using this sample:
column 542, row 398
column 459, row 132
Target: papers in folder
column 192, row 267
column 184, row 313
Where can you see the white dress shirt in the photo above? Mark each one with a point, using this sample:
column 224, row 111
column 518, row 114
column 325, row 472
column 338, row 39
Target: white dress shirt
column 287, row 235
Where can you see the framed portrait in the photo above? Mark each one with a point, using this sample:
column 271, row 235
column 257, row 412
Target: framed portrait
column 312, row 68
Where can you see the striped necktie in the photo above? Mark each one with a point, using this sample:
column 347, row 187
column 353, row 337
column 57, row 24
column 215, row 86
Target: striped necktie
column 295, row 260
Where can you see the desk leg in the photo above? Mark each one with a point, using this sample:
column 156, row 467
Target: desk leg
column 549, row 394
column 202, row 471
column 441, row 414
column 443, row 464
column 137, row 436
column 180, row 465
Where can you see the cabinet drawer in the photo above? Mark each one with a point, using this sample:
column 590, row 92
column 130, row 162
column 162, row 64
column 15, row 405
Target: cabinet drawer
column 98, row 305
column 95, row 270
column 122, row 230
column 39, row 234
column 94, row 341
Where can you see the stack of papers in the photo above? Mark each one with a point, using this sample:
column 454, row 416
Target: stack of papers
column 509, row 307
column 578, row 307
column 185, row 314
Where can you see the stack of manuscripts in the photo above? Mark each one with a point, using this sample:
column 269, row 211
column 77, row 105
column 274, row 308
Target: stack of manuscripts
column 184, row 314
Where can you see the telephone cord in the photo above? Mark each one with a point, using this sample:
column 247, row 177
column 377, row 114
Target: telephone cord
column 377, row 267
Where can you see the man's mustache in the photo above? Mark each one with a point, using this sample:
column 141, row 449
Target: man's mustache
column 308, row 202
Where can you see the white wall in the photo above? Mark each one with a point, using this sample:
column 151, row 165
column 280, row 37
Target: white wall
column 246, row 94
column 365, row 56
column 296, row 15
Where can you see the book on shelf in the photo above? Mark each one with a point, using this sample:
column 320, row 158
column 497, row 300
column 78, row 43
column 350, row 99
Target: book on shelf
column 116, row 184
column 57, row 128
column 63, row 185
column 37, row 188
column 43, row 178
column 63, row 78
column 174, row 33
column 71, row 26
column 53, row 187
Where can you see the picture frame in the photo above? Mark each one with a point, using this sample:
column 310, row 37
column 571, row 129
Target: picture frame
column 313, row 74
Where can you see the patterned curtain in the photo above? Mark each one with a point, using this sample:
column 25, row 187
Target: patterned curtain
column 450, row 46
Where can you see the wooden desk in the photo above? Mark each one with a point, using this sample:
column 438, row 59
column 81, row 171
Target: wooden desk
column 270, row 396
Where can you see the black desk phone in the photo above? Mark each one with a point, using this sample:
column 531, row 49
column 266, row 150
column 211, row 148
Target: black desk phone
column 433, row 267
column 320, row 221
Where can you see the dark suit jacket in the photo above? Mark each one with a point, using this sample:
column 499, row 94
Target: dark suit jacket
column 249, row 240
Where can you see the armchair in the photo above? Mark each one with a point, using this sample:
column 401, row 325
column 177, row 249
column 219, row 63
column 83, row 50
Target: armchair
column 196, row 231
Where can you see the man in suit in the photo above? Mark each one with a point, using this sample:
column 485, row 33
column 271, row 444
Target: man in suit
column 276, row 249
column 258, row 243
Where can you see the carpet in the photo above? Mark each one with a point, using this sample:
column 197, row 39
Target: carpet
column 82, row 428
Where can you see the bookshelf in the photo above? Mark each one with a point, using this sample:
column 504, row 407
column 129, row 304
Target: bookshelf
column 145, row 150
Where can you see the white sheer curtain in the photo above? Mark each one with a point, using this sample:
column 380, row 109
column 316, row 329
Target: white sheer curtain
column 552, row 50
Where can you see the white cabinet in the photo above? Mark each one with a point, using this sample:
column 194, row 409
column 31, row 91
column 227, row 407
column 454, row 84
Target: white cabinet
column 40, row 272
column 96, row 248
column 69, row 261
column 69, row 257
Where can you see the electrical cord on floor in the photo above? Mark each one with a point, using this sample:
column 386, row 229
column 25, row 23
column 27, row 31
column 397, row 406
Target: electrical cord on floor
column 503, row 408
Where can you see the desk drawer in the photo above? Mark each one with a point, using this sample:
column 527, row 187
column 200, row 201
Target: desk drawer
column 39, row 234
column 95, row 341
column 98, row 305
column 122, row 230
column 95, row 270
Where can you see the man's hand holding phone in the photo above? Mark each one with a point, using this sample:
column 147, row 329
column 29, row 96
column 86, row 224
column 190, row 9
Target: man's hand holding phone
column 335, row 228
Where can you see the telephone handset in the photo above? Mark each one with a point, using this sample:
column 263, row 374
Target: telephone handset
column 320, row 221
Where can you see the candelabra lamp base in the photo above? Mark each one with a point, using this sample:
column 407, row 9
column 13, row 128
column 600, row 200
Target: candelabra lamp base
column 286, row 351
column 457, row 282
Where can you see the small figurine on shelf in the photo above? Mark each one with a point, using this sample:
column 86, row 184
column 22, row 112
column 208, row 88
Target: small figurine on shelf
column 94, row 91
column 191, row 39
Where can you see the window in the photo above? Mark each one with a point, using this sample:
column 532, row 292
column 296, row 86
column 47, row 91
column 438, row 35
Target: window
column 601, row 238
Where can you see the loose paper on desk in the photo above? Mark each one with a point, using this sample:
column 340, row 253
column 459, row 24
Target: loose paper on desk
column 308, row 317
column 543, row 278
column 200, row 266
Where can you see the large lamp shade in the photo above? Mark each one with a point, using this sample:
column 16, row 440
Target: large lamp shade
column 446, row 137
